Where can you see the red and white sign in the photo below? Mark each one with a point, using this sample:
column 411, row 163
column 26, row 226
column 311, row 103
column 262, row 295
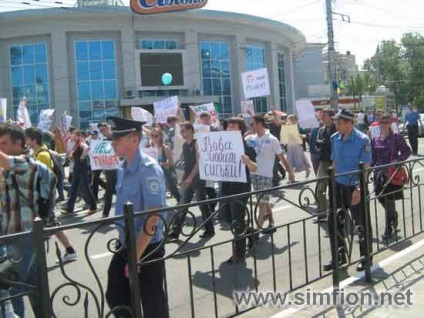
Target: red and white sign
column 158, row 6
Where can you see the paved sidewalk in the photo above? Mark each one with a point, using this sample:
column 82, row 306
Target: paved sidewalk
column 397, row 272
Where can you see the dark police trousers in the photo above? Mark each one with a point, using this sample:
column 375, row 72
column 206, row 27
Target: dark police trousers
column 151, row 281
column 343, row 196
column 413, row 138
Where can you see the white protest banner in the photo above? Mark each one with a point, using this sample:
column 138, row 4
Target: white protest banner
column 3, row 110
column 22, row 115
column 306, row 115
column 255, row 83
column 102, row 155
column 140, row 114
column 92, row 127
column 178, row 144
column 206, row 108
column 166, row 108
column 290, row 135
column 45, row 120
column 151, row 152
column 220, row 156
column 247, row 108
column 201, row 128
column 65, row 123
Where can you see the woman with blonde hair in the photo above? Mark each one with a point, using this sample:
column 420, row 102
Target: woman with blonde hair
column 295, row 154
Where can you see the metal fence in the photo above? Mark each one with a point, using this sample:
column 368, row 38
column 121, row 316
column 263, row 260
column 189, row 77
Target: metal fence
column 199, row 282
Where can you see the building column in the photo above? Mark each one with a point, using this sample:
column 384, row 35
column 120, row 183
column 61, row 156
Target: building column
column 289, row 63
column 127, row 74
column 238, row 65
column 192, row 70
column 272, row 57
column 59, row 76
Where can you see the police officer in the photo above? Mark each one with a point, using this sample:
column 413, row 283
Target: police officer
column 349, row 147
column 141, row 182
column 412, row 118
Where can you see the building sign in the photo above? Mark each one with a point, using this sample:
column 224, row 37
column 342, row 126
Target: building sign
column 158, row 6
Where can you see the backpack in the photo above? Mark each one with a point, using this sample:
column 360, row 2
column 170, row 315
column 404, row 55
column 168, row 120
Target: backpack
column 57, row 170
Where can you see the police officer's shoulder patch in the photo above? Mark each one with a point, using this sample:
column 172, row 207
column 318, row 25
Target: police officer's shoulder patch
column 153, row 185
column 367, row 147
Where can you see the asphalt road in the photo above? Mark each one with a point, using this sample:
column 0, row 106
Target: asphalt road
column 209, row 270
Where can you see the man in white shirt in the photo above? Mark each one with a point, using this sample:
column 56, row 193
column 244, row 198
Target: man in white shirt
column 362, row 122
column 267, row 147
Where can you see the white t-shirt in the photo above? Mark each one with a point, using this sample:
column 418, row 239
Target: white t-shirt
column 361, row 118
column 266, row 147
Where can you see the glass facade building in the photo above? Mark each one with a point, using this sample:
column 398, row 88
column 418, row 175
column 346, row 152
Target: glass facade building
column 282, row 82
column 216, row 75
column 255, row 59
column 97, row 92
column 30, row 77
column 157, row 44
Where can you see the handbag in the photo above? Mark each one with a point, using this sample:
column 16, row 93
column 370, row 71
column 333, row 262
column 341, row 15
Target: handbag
column 397, row 175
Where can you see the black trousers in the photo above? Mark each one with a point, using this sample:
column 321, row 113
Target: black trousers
column 151, row 281
column 111, row 176
column 343, row 197
column 413, row 138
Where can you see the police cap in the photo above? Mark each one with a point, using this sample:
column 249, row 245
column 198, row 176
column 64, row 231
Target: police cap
column 123, row 126
column 345, row 114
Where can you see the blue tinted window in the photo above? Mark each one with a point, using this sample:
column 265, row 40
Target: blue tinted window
column 83, row 73
column 81, row 50
column 96, row 80
column 28, row 54
column 29, row 74
column 282, row 81
column 94, row 50
column 96, row 70
column 216, row 73
column 157, row 44
column 255, row 59
column 108, row 50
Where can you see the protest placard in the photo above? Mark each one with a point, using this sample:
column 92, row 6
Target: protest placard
column 45, row 120
column 306, row 115
column 102, row 155
column 375, row 130
column 151, row 152
column 247, row 108
column 290, row 135
column 220, row 156
column 166, row 108
column 3, row 110
column 140, row 114
column 198, row 128
column 255, row 83
column 206, row 108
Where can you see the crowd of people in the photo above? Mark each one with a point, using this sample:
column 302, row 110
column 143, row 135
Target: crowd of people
column 341, row 141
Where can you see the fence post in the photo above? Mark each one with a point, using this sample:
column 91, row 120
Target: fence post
column 363, row 177
column 41, row 263
column 333, row 213
column 131, row 245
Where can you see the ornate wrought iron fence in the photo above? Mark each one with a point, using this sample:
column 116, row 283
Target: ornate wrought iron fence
column 293, row 254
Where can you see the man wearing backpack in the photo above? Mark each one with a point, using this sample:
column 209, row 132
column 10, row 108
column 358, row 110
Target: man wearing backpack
column 33, row 139
column 17, row 211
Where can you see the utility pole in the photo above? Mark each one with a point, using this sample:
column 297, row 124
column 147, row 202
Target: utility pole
column 331, row 55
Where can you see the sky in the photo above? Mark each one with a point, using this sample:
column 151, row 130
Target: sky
column 371, row 21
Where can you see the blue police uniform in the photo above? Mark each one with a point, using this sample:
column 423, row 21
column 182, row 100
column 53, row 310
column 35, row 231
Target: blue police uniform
column 347, row 154
column 411, row 119
column 141, row 182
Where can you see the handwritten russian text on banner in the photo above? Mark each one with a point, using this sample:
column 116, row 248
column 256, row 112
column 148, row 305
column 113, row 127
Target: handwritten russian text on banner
column 166, row 108
column 206, row 108
column 102, row 155
column 140, row 114
column 220, row 156
column 255, row 83
column 45, row 120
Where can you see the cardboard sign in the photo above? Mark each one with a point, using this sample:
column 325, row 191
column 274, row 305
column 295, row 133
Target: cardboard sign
column 374, row 130
column 220, row 156
column 45, row 119
column 166, row 108
column 151, row 7
column 306, row 115
column 24, row 120
column 102, row 155
column 206, row 108
column 140, row 114
column 247, row 108
column 3, row 110
column 255, row 83
column 290, row 135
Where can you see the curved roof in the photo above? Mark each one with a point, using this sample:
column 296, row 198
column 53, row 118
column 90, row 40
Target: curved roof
column 295, row 36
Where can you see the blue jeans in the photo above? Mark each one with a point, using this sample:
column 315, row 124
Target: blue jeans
column 81, row 185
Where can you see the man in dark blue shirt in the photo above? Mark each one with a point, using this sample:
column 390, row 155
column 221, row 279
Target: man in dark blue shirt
column 412, row 118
